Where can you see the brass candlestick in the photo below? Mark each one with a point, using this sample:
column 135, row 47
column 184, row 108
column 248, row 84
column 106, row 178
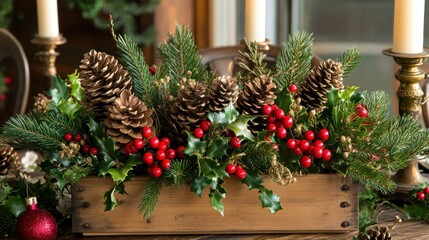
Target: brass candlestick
column 410, row 99
column 48, row 56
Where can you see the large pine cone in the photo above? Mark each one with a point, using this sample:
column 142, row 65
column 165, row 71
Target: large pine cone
column 102, row 78
column 223, row 91
column 376, row 233
column 319, row 82
column 126, row 117
column 7, row 157
column 256, row 93
column 41, row 102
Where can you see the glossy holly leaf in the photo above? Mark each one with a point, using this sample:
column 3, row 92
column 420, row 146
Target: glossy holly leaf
column 58, row 175
column 217, row 147
column 195, row 146
column 76, row 89
column 269, row 200
column 119, row 174
column 349, row 92
column 333, row 97
column 120, row 188
column 59, row 90
column 253, row 180
column 199, row 184
column 284, row 99
column 216, row 200
column 15, row 205
column 417, row 211
column 106, row 145
column 225, row 117
column 71, row 108
column 212, row 169
column 95, row 128
column 239, row 127
column 110, row 200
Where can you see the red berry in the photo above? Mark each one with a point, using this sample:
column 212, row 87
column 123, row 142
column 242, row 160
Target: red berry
column 323, row 134
column 240, row 173
column 149, row 171
column 146, row 132
column 287, row 121
column 279, row 114
column 170, row 153
column 271, row 119
column 358, row 106
column 297, row 151
column 156, row 171
column 309, row 135
column 162, row 146
column 420, row 195
column 85, row 148
column 180, row 151
column 235, row 142
column 165, row 140
column 293, row 88
column 317, row 152
column 153, row 142
column 129, row 148
column 230, row 168
column 138, row 143
column 274, row 107
column 198, row 133
column 93, row 151
column 304, row 144
column 362, row 112
column 326, row 156
column 205, row 125
column 7, row 80
column 310, row 149
column 271, row 127
column 281, row 132
column 291, row 143
column 160, row 155
column 68, row 137
column 426, row 190
column 305, row 161
column 77, row 137
column 266, row 109
column 318, row 143
column 148, row 158
column 166, row 164
column 152, row 70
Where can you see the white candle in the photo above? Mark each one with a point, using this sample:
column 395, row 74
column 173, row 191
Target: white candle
column 408, row 26
column 47, row 18
column 255, row 20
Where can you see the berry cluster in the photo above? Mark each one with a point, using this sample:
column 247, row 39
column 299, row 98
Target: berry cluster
column 236, row 170
column 68, row 137
column 422, row 195
column 204, row 127
column 157, row 155
column 360, row 111
column 309, row 147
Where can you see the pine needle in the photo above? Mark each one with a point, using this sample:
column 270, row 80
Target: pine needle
column 149, row 200
column 180, row 173
column 258, row 155
column 349, row 60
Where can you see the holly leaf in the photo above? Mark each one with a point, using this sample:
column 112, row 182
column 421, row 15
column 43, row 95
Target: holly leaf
column 195, row 146
column 417, row 211
column 225, row 117
column 15, row 205
column 76, row 89
column 284, row 99
column 95, row 128
column 239, row 127
column 59, row 91
column 120, row 188
column 110, row 200
column 71, row 108
column 119, row 174
column 217, row 147
column 269, row 200
column 216, row 200
column 212, row 169
column 253, row 180
column 58, row 175
column 333, row 97
column 199, row 184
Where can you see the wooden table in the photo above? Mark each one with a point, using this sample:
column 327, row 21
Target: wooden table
column 408, row 230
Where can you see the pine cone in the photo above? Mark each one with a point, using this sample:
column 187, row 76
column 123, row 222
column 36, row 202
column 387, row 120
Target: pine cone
column 7, row 157
column 41, row 102
column 126, row 117
column 223, row 91
column 318, row 84
column 189, row 108
column 102, row 78
column 376, row 233
column 256, row 93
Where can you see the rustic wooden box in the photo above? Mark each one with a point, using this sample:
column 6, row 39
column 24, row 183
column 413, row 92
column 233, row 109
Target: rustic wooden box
column 316, row 203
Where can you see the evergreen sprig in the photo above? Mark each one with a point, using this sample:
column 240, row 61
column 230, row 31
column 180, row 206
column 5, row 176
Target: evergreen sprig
column 180, row 173
column 149, row 200
column 258, row 155
column 294, row 60
column 349, row 60
column 253, row 62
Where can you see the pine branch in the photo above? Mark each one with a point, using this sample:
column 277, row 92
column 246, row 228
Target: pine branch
column 30, row 133
column 181, row 58
column 372, row 178
column 180, row 173
column 149, row 200
column 294, row 60
column 253, row 62
column 61, row 121
column 258, row 155
column 349, row 60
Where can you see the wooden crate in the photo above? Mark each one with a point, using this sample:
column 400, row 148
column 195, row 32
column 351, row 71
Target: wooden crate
column 316, row 203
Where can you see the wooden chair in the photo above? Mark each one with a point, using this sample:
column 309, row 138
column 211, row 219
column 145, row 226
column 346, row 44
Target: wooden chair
column 13, row 56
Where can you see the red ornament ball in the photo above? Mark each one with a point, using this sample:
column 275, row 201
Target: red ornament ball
column 35, row 223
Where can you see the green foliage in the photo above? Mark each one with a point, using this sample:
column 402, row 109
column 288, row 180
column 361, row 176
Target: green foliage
column 67, row 98
column 181, row 172
column 258, row 155
column 349, row 60
column 269, row 200
column 6, row 8
column 150, row 197
column 253, row 60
